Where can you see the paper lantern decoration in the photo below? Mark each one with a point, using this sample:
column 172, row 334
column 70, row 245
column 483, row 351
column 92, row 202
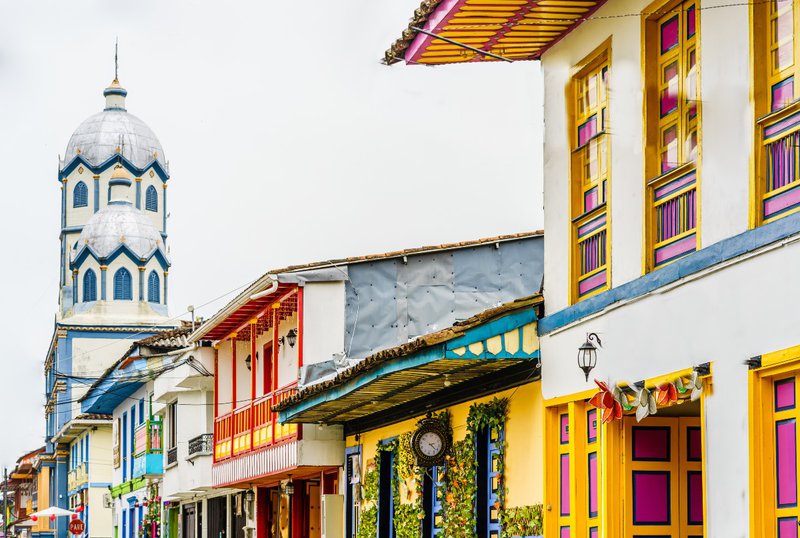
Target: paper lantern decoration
column 34, row 518
column 79, row 509
column 74, row 516
column 52, row 517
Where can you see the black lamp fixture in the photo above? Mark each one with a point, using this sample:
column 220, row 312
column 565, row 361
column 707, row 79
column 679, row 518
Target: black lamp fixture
column 249, row 361
column 249, row 496
column 289, row 488
column 290, row 338
column 587, row 354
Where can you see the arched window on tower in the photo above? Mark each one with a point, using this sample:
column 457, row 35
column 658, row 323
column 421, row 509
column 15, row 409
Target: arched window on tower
column 151, row 199
column 123, row 285
column 80, row 195
column 153, row 288
column 89, row 286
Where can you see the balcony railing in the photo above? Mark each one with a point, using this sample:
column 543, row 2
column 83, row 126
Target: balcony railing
column 77, row 477
column 674, row 215
column 172, row 455
column 780, row 185
column 147, row 437
column 148, row 458
column 201, row 445
column 252, row 426
column 592, row 260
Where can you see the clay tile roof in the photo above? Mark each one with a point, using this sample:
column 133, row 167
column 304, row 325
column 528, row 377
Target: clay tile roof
column 172, row 339
column 93, row 416
column 422, row 342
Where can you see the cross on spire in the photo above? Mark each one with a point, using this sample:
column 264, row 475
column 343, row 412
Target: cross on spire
column 116, row 59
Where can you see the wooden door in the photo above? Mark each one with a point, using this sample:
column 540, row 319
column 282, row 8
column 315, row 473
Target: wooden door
column 785, row 418
column 314, row 511
column 663, row 478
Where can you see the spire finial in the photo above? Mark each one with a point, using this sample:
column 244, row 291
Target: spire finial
column 116, row 59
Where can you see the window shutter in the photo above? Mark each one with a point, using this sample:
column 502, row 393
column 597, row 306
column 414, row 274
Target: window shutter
column 123, row 285
column 151, row 199
column 154, row 288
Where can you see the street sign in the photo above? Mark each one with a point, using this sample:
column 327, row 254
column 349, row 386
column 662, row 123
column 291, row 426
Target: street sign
column 76, row 526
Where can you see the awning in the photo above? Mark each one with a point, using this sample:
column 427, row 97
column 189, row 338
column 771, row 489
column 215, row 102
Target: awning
column 495, row 349
column 511, row 29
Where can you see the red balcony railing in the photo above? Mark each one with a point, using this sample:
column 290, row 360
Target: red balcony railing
column 253, row 426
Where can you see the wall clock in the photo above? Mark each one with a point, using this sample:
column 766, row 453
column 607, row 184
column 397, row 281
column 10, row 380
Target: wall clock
column 430, row 442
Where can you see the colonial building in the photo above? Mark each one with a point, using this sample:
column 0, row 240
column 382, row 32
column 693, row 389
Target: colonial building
column 296, row 326
column 671, row 196
column 21, row 488
column 125, row 393
column 192, row 508
column 112, row 290
column 444, row 433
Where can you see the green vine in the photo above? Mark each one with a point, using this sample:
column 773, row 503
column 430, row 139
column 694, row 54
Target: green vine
column 459, row 493
column 522, row 521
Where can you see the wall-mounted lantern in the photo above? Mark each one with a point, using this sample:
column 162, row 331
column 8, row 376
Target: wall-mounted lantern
column 587, row 354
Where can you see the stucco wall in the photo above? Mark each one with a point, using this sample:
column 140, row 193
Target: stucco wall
column 524, row 429
column 725, row 315
column 726, row 136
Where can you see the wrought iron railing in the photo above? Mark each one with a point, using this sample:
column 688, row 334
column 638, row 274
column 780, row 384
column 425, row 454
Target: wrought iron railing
column 172, row 455
column 202, row 444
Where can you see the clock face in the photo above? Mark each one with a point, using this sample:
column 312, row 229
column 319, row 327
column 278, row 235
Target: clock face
column 430, row 444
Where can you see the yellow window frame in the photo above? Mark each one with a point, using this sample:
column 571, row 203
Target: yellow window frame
column 773, row 366
column 767, row 74
column 596, row 66
column 686, row 118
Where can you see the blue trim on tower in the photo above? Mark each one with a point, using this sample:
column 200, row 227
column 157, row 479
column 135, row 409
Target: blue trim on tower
column 103, row 281
column 112, row 161
column 96, row 194
column 87, row 251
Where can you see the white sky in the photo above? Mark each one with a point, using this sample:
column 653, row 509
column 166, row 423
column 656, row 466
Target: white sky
column 288, row 142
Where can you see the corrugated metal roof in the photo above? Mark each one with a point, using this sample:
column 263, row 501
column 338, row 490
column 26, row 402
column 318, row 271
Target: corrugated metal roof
column 266, row 280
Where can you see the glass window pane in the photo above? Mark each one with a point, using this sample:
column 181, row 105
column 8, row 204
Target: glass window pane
column 669, row 95
column 669, row 34
column 669, row 148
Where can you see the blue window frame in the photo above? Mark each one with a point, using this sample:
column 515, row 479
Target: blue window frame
column 124, row 453
column 432, row 485
column 132, row 439
column 141, row 410
column 151, row 199
column 89, row 286
column 124, row 533
column 80, row 195
column 153, row 288
column 487, row 446
column 123, row 285
column 386, row 472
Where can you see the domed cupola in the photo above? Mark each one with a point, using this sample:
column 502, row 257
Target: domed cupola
column 119, row 225
column 114, row 133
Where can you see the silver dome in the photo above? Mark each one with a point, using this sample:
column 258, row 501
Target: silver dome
column 99, row 136
column 116, row 224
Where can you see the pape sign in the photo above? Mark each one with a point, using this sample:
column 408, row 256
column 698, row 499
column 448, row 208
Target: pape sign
column 76, row 526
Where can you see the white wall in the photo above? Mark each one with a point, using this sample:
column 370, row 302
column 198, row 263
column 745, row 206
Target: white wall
column 723, row 316
column 725, row 136
column 323, row 320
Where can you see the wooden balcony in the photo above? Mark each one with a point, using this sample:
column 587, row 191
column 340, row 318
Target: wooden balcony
column 779, row 177
column 148, row 459
column 673, row 215
column 591, row 236
column 253, row 426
